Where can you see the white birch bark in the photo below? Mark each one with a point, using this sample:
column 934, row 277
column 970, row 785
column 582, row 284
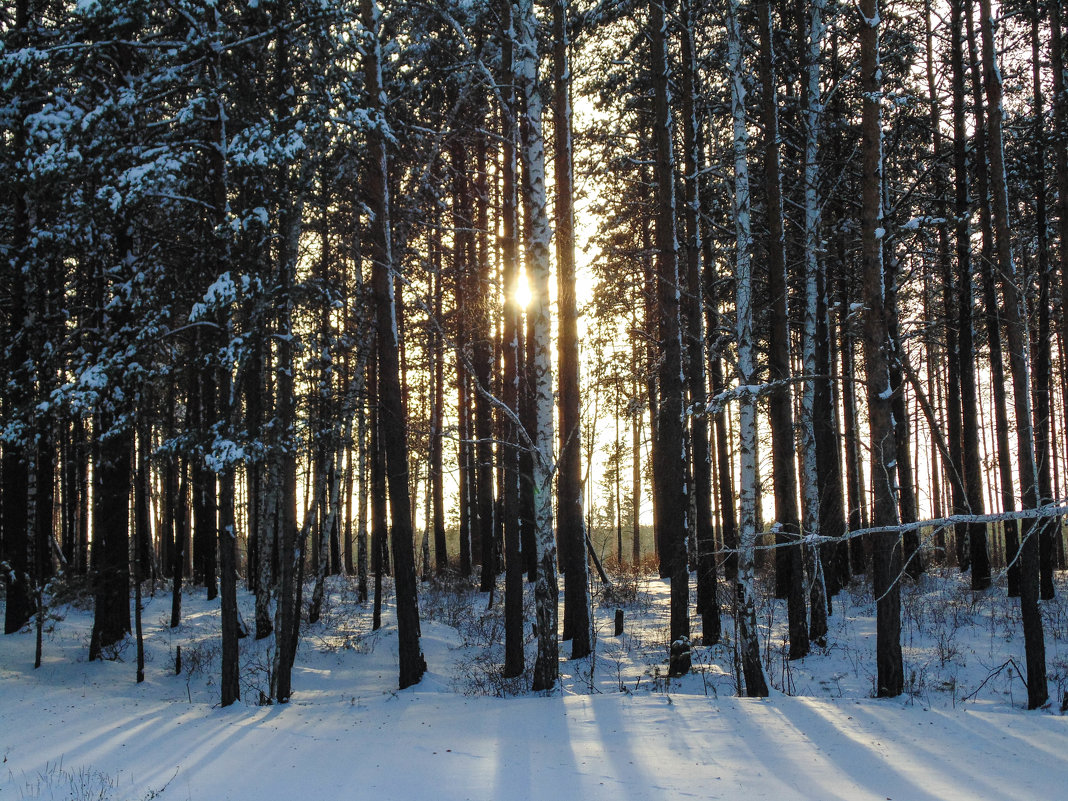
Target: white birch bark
column 546, row 666
column 813, row 112
column 749, row 644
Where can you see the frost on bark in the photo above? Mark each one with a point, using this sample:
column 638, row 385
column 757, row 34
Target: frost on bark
column 669, row 455
column 886, row 552
column 749, row 644
column 546, row 592
column 812, row 513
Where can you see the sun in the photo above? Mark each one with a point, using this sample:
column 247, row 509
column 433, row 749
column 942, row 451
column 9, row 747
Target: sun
column 522, row 290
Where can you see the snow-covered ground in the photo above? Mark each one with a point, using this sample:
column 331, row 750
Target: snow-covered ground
column 619, row 729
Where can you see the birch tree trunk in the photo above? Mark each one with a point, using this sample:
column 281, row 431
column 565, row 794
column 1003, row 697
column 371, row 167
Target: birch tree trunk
column 546, row 592
column 749, row 643
column 810, row 484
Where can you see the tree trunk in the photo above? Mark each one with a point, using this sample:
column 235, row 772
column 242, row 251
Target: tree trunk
column 1059, row 144
column 1017, row 336
column 111, row 541
column 20, row 605
column 181, row 542
column 482, row 360
column 571, row 529
column 514, row 658
column 980, row 561
column 390, row 402
column 748, row 644
column 546, row 666
column 789, row 572
column 669, row 470
column 814, row 334
column 1046, row 525
column 886, row 552
column 990, row 302
column 692, row 252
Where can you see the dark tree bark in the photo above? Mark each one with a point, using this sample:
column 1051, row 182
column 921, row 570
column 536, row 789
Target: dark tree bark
column 1017, row 337
column 179, row 491
column 437, row 409
column 379, row 524
column 789, row 573
column 390, row 403
column 570, row 527
column 669, row 470
column 1059, row 144
column 461, row 253
column 482, row 359
column 284, row 465
column 886, row 552
column 205, row 493
column 1047, row 526
column 980, row 561
column 692, row 252
column 509, row 453
column 992, row 315
column 20, row 605
column 111, row 540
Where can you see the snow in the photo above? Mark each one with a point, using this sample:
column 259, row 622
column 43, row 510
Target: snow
column 348, row 733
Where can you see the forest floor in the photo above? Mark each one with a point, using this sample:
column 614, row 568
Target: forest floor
column 617, row 729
